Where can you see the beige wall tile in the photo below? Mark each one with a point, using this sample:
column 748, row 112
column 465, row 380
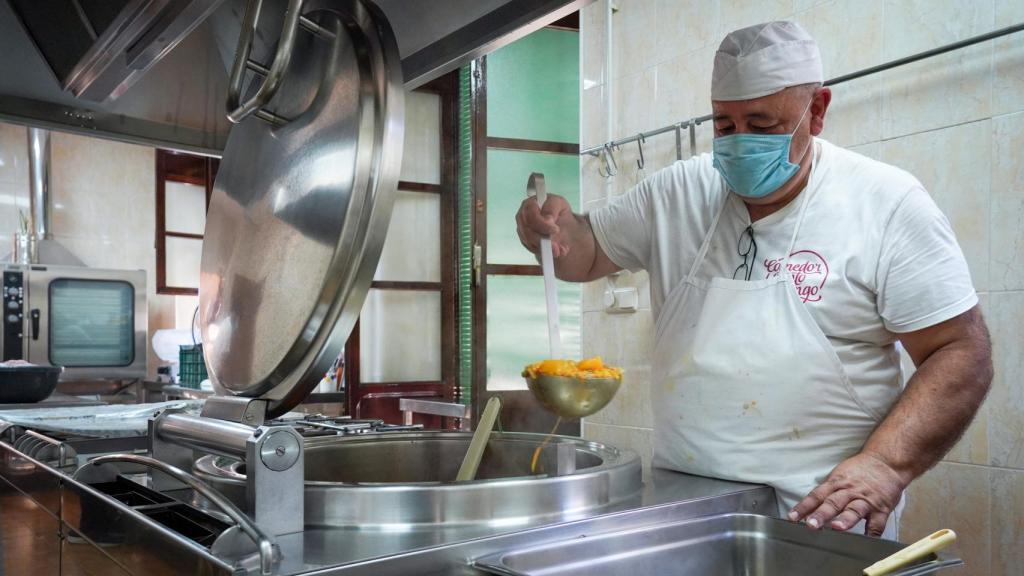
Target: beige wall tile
column 855, row 115
column 639, row 440
column 623, row 340
column 14, row 188
column 801, row 5
column 593, row 186
column 634, row 100
column 736, row 14
column 684, row 87
column 939, row 91
column 633, row 37
column 954, row 164
column 1006, row 400
column 1008, row 60
column 593, row 44
column 664, row 152
column 593, row 295
column 848, row 33
column 972, row 448
column 13, row 154
column 944, row 90
column 629, row 172
column 594, row 116
column 102, row 189
column 632, row 404
column 1007, row 267
column 685, row 26
column 952, row 496
column 684, row 92
column 1007, row 522
column 913, row 26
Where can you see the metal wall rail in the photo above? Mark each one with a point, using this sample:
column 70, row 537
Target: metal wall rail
column 697, row 120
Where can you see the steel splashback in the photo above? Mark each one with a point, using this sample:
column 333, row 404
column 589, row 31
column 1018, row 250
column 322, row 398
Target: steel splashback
column 161, row 79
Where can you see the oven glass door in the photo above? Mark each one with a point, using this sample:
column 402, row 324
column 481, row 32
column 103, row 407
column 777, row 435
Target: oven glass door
column 91, row 322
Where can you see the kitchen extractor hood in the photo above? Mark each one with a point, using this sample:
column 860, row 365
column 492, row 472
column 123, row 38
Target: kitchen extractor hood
column 156, row 71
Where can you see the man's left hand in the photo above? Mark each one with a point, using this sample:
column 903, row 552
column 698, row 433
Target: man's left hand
column 861, row 487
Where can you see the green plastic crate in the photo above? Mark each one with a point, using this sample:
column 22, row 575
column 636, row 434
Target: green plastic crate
column 192, row 365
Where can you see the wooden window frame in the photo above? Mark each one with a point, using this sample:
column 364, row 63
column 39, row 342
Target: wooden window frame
column 520, row 410
column 166, row 171
column 447, row 388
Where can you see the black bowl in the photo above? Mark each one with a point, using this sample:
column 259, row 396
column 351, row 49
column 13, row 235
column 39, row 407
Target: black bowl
column 25, row 384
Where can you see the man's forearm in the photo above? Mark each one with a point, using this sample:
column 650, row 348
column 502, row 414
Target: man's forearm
column 937, row 406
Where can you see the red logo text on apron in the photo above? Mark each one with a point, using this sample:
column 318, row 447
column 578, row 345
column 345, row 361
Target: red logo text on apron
column 808, row 269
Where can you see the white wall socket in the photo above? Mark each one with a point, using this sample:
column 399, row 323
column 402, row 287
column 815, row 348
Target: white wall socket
column 621, row 300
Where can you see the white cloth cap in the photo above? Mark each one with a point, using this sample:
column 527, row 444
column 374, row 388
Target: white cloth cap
column 763, row 59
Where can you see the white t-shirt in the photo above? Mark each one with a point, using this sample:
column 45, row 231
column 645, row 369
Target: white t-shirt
column 874, row 257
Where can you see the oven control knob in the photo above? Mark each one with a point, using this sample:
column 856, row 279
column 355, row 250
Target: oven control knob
column 11, row 304
column 13, row 291
column 12, row 318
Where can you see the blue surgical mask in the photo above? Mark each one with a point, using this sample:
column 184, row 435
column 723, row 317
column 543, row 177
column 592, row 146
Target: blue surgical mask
column 755, row 165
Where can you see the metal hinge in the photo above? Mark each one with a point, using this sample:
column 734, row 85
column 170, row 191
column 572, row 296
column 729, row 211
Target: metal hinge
column 478, row 264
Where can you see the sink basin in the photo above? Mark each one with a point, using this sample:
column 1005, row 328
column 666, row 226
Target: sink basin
column 741, row 544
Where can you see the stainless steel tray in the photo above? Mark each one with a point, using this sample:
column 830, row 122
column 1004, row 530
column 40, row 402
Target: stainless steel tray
column 741, row 544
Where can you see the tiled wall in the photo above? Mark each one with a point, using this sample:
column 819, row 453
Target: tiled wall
column 104, row 208
column 956, row 121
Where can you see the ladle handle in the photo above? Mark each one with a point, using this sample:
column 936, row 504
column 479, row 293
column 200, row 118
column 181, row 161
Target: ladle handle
column 535, row 188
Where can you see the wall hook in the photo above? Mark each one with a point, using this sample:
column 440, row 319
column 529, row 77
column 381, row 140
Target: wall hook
column 611, row 168
column 640, row 140
column 693, row 138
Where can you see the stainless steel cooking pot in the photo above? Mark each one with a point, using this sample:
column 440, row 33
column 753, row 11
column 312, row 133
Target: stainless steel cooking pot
column 407, row 480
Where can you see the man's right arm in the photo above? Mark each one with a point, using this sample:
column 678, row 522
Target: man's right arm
column 578, row 256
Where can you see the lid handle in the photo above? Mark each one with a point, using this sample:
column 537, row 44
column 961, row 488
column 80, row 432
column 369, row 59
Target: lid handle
column 238, row 111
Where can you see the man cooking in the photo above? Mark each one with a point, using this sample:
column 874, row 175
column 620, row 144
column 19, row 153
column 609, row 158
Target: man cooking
column 784, row 271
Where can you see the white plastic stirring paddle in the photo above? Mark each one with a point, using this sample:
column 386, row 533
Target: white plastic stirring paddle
column 535, row 187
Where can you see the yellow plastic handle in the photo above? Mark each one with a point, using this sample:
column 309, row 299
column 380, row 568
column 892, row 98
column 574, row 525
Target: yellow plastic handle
column 915, row 551
column 477, row 444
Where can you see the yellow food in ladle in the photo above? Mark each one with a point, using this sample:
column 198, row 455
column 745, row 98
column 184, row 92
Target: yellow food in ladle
column 588, row 368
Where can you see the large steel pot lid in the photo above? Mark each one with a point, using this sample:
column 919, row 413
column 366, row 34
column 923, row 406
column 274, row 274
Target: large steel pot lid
column 299, row 211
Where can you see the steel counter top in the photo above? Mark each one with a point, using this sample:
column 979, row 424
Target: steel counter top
column 667, row 496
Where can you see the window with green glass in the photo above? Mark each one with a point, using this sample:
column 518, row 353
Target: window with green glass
column 507, row 173
column 533, row 88
column 531, row 118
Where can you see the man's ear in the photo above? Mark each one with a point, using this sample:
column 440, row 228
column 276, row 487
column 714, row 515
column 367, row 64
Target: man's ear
column 819, row 106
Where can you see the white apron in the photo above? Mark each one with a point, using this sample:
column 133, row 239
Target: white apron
column 747, row 387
